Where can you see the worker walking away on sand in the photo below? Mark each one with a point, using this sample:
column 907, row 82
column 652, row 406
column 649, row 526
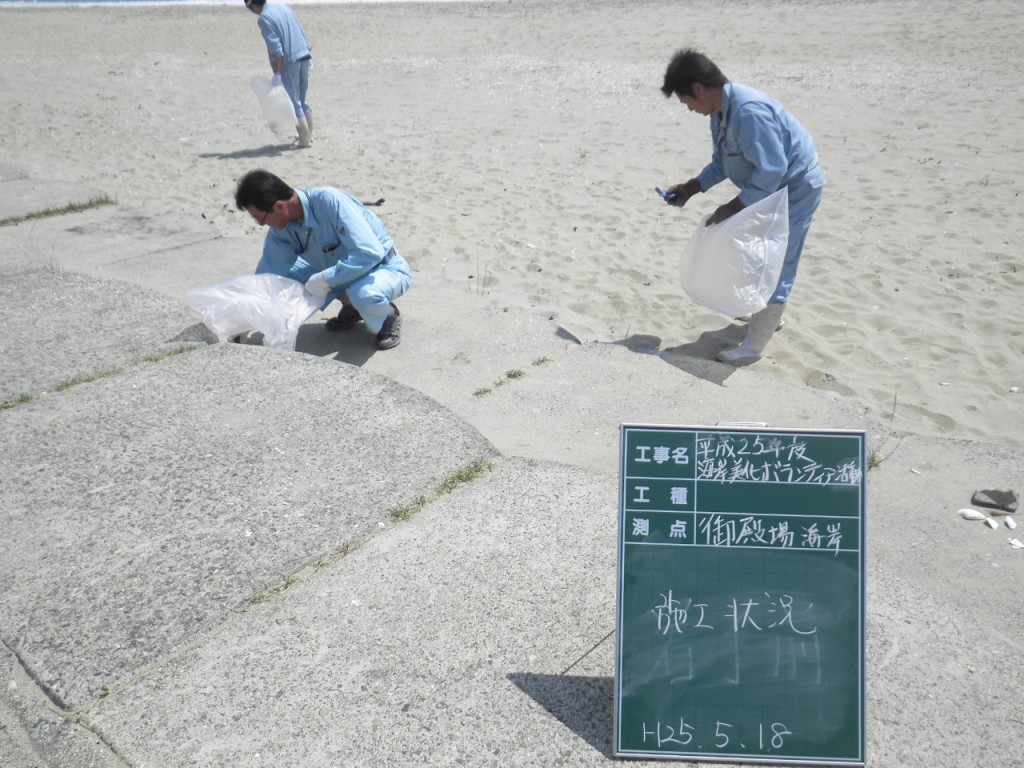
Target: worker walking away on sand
column 761, row 148
column 325, row 238
column 290, row 57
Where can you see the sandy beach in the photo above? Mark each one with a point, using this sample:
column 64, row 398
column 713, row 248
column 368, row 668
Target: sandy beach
column 517, row 146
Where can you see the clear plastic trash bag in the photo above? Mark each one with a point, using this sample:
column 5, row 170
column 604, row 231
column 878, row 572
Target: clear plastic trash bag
column 276, row 104
column 276, row 306
column 733, row 267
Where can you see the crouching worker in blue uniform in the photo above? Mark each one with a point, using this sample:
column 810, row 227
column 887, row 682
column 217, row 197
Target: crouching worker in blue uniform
column 761, row 148
column 325, row 238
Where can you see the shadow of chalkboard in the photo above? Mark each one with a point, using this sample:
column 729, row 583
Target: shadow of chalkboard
column 582, row 704
column 740, row 628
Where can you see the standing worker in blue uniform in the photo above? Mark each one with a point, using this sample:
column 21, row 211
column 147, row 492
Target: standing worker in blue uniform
column 761, row 148
column 327, row 239
column 290, row 58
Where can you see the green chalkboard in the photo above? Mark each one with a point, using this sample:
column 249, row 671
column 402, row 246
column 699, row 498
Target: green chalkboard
column 740, row 628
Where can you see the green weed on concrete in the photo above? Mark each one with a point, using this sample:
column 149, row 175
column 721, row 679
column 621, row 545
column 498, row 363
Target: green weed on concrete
column 399, row 514
column 96, row 202
column 510, row 375
column 465, row 475
column 64, row 385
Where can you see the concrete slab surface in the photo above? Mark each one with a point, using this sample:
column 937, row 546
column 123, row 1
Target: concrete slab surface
column 142, row 509
column 23, row 196
column 123, row 242
column 199, row 566
column 62, row 326
column 415, row 649
column 481, row 633
column 34, row 731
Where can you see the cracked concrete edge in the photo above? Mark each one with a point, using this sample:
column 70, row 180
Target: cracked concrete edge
column 36, row 727
column 35, row 734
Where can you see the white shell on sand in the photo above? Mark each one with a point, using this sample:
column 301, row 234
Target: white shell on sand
column 991, row 523
column 1017, row 543
column 971, row 514
column 1011, row 523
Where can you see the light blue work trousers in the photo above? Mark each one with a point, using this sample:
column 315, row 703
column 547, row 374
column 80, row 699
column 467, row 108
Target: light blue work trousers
column 373, row 293
column 295, row 79
column 803, row 202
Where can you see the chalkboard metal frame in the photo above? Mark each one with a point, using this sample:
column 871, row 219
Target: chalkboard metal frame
column 787, row 484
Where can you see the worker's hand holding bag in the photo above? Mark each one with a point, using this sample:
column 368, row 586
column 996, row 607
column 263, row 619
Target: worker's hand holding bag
column 733, row 267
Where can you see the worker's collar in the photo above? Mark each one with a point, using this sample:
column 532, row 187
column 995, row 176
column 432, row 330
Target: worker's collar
column 308, row 220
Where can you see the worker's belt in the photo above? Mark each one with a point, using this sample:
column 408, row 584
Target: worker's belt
column 386, row 259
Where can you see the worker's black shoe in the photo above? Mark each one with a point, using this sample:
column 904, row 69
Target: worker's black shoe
column 346, row 319
column 391, row 332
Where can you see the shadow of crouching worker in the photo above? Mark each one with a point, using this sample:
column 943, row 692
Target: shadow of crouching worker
column 354, row 347
column 313, row 338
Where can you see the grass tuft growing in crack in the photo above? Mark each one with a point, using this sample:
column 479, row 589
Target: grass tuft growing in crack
column 405, row 512
column 510, row 375
column 467, row 474
column 86, row 379
column 96, row 202
column 398, row 514
column 64, row 385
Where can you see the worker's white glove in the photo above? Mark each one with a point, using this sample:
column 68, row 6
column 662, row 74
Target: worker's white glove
column 317, row 286
column 275, row 80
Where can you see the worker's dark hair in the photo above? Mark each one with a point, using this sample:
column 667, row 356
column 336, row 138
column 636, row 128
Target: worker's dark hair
column 261, row 189
column 687, row 67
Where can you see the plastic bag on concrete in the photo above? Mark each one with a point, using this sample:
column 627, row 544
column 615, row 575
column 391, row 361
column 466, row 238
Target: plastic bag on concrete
column 276, row 306
column 276, row 104
column 733, row 267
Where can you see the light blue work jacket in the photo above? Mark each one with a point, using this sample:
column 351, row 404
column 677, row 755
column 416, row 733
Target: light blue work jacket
column 284, row 35
column 759, row 147
column 338, row 236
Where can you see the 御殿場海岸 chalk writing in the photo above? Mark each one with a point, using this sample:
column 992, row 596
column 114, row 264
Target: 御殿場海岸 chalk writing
column 718, row 530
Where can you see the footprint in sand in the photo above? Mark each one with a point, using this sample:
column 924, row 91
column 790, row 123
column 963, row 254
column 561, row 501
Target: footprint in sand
column 942, row 423
column 823, row 380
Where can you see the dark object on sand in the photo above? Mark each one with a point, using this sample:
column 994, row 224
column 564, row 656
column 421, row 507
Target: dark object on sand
column 1004, row 500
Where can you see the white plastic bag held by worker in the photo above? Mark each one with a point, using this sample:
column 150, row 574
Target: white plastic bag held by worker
column 733, row 267
column 273, row 305
column 276, row 105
